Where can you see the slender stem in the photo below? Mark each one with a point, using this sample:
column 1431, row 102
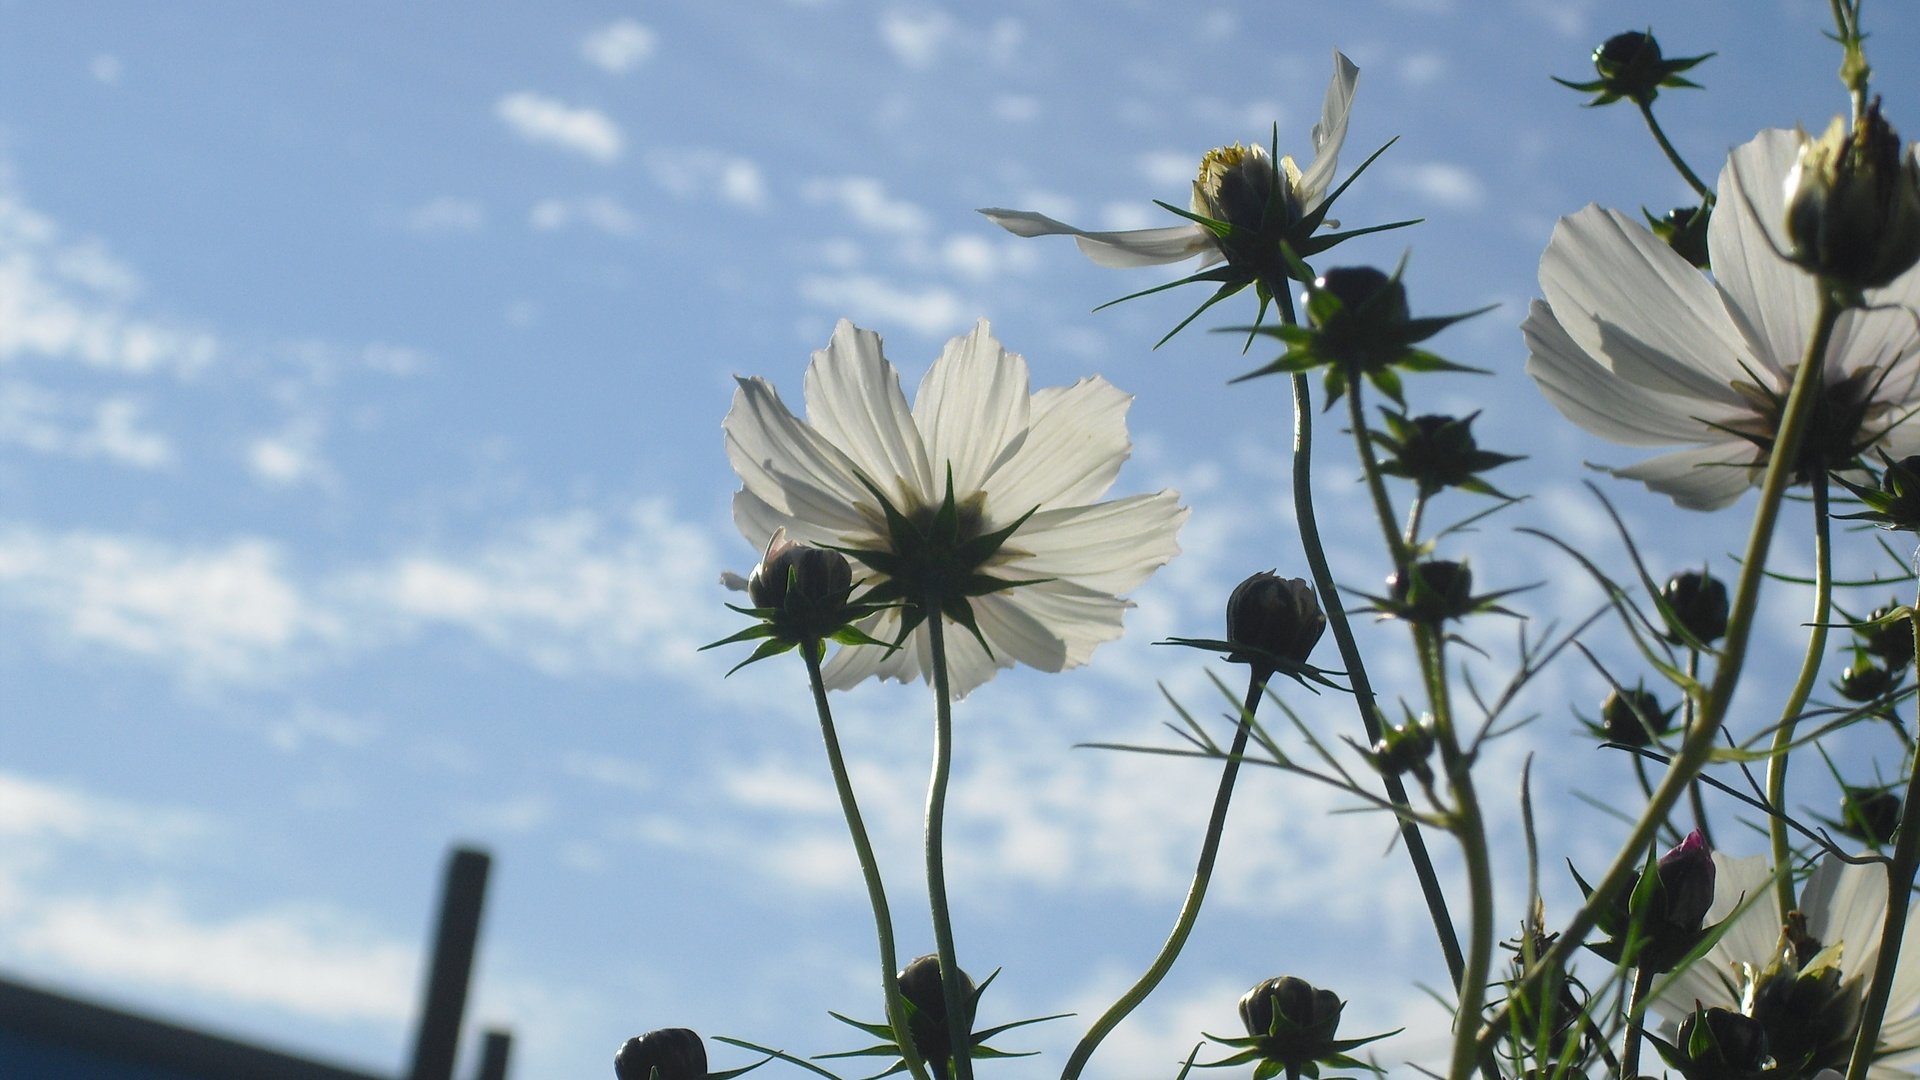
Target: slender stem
column 959, row 1003
column 1636, row 1021
column 1687, row 718
column 1900, row 875
column 1411, row 535
column 1802, row 690
column 869, row 869
column 1469, row 827
column 1355, row 664
column 1698, row 746
column 1196, row 892
column 1659, row 136
column 1397, row 548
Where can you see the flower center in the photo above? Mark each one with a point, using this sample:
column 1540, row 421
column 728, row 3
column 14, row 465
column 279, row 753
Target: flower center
column 1846, row 420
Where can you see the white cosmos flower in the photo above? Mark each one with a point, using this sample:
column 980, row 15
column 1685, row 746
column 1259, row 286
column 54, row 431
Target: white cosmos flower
column 1053, row 454
column 1638, row 347
column 1844, row 905
column 1306, row 190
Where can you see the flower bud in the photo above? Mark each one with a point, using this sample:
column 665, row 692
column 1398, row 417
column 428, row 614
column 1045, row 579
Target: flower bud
column 1698, row 602
column 1686, row 879
column 1405, row 748
column 1279, row 617
column 1888, row 633
column 1634, row 717
column 1869, row 814
column 920, row 985
column 1864, row 680
column 1368, row 329
column 1432, row 592
column 1853, row 204
column 806, row 588
column 1436, row 452
column 1292, row 1020
column 1721, row 1044
column 1684, row 228
column 1631, row 66
column 669, row 1054
column 1663, row 920
column 1236, row 185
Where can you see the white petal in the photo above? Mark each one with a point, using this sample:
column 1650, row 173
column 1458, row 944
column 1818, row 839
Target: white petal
column 1110, row 547
column 786, row 464
column 1595, row 398
column 853, row 664
column 972, row 410
column 968, row 666
column 1076, row 440
column 1331, row 132
column 1772, row 299
column 854, row 401
column 1639, row 309
column 1079, row 618
column 1702, row 477
column 1015, row 634
column 1139, row 247
column 1847, row 903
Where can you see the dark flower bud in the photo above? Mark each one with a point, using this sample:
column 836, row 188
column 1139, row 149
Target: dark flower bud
column 1893, row 503
column 1292, row 1020
column 666, row 1054
column 1864, row 680
column 1631, row 66
column 1405, row 748
column 1436, row 452
column 1662, row 920
column 1888, row 632
column 1720, row 1044
column 1869, row 814
column 1634, row 717
column 1367, row 328
column 1798, row 998
column 1277, row 618
column 1698, row 602
column 1853, row 203
column 920, row 985
column 1432, row 592
column 794, row 577
column 1686, row 879
column 1684, row 228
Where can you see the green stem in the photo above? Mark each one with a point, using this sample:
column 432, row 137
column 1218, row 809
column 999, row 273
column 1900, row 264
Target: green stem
column 1687, row 718
column 1698, row 747
column 1397, row 548
column 1900, row 875
column 1659, row 136
column 959, row 1003
column 1802, row 690
column 1469, row 827
column 869, row 868
column 1355, row 664
column 1196, row 892
column 1636, row 1021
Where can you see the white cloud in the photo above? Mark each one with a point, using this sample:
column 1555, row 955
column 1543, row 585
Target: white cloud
column 706, row 174
column 619, row 46
column 540, row 119
column 66, row 299
column 1423, row 69
column 105, row 69
column 876, row 302
column 301, row 959
column 1016, row 108
column 865, row 200
column 225, row 612
column 37, row 811
column 916, row 38
column 1448, row 185
column 291, row 457
column 447, row 214
column 109, row 429
column 601, row 213
column 1168, row 168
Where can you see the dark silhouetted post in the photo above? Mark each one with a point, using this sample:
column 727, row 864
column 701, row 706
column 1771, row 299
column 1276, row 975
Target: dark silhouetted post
column 453, row 947
column 493, row 1056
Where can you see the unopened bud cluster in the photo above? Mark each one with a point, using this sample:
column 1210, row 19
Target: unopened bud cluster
column 1853, row 204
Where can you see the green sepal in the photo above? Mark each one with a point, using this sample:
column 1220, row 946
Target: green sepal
column 1304, row 674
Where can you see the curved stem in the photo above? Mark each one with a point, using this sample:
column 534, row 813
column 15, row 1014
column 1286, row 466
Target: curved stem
column 1196, row 892
column 1636, row 1020
column 1699, row 743
column 1900, row 875
column 1802, row 690
column 869, row 868
column 1355, row 664
column 1470, row 829
column 1687, row 719
column 1659, row 136
column 958, row 1001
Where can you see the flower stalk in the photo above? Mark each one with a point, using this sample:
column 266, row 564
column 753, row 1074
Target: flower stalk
column 959, row 1001
column 1802, row 689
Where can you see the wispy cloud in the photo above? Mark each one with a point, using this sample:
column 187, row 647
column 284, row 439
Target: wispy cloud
column 916, row 38
column 878, row 302
column 600, row 213
column 864, row 199
column 549, row 121
column 619, row 47
column 1452, row 186
column 701, row 173
column 447, row 214
column 109, row 429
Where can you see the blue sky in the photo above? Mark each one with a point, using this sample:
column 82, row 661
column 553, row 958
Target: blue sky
column 361, row 485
